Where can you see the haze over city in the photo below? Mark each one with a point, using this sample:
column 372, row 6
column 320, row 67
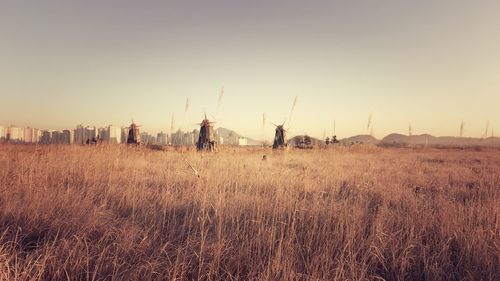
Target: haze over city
column 430, row 63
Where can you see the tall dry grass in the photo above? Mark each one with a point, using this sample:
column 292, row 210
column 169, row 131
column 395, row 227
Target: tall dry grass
column 119, row 213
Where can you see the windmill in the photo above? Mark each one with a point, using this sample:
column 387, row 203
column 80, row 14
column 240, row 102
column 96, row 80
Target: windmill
column 279, row 137
column 280, row 132
column 206, row 139
column 134, row 137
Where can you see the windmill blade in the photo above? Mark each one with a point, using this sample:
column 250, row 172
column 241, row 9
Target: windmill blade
column 263, row 120
column 369, row 122
column 221, row 95
column 212, row 117
column 291, row 111
column 293, row 105
column 487, row 129
column 186, row 107
column 205, row 121
column 172, row 123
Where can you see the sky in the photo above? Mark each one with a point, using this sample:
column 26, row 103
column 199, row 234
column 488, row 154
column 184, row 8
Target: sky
column 100, row 62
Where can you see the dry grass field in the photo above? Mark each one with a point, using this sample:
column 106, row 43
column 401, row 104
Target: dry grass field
column 359, row 213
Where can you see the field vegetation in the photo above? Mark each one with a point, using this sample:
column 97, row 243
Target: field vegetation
column 347, row 213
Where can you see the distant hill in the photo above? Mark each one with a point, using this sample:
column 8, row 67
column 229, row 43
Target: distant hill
column 422, row 139
column 389, row 140
column 227, row 134
column 394, row 139
column 426, row 139
column 360, row 139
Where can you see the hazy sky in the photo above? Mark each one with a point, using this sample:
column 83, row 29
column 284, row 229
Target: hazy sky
column 98, row 62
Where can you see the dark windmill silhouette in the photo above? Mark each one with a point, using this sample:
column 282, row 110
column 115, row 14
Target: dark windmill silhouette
column 206, row 139
column 280, row 131
column 134, row 137
column 279, row 137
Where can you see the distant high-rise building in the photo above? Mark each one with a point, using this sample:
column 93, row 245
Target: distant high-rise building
column 114, row 134
column 184, row 138
column 14, row 134
column 28, row 135
column 2, row 133
column 124, row 134
column 31, row 135
column 83, row 135
column 79, row 135
column 196, row 136
column 188, row 138
column 90, row 134
column 38, row 134
column 162, row 138
column 147, row 138
column 177, row 138
column 46, row 137
column 103, row 134
column 57, row 137
column 67, row 137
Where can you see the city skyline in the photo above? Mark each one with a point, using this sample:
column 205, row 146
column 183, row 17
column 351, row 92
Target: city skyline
column 85, row 135
column 489, row 132
column 431, row 64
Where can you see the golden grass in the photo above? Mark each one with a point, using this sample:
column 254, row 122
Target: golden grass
column 120, row 213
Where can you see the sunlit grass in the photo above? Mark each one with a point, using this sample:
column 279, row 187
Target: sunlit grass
column 120, row 213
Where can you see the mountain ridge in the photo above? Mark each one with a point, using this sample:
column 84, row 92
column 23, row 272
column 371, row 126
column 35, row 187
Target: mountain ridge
column 393, row 139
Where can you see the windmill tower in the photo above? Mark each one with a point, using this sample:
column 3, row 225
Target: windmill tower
column 462, row 126
column 134, row 137
column 206, row 139
column 279, row 137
